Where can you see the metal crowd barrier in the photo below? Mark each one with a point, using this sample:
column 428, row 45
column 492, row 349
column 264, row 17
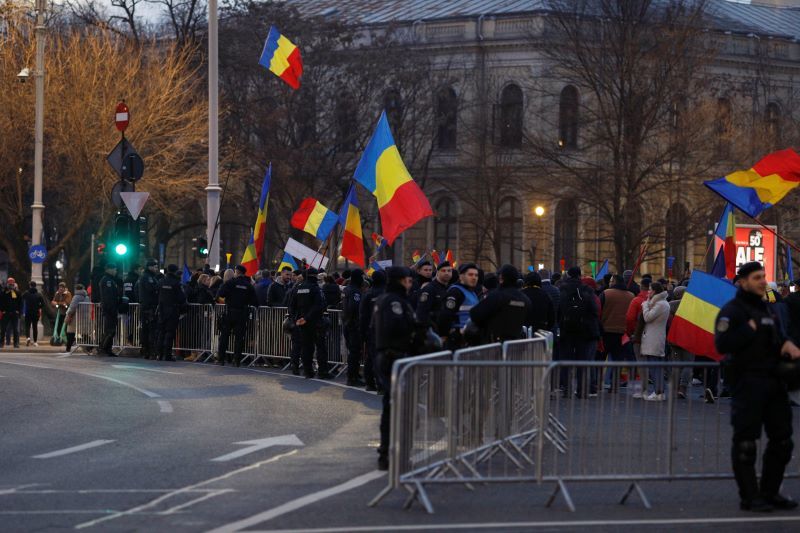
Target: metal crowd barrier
column 519, row 420
column 198, row 332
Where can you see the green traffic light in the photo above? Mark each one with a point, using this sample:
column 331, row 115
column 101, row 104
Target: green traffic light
column 121, row 249
column 204, row 251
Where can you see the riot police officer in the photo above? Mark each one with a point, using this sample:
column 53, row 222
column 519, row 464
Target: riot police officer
column 459, row 299
column 129, row 283
column 351, row 302
column 394, row 326
column 239, row 294
column 431, row 298
column 365, row 327
column 147, row 288
column 171, row 303
column 502, row 314
column 306, row 307
column 110, row 299
column 747, row 330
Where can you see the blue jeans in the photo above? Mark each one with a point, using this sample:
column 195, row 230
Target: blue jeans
column 657, row 373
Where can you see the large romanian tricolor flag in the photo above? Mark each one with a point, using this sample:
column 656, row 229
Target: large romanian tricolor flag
column 282, row 57
column 352, row 238
column 693, row 326
column 725, row 236
column 314, row 218
column 381, row 171
column 255, row 248
column 762, row 186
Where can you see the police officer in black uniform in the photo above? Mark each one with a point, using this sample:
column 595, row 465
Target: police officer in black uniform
column 239, row 295
column 129, row 283
column 460, row 298
column 394, row 326
column 431, row 298
column 306, row 307
column 171, row 304
column 147, row 289
column 365, row 327
column 502, row 314
column 747, row 331
column 351, row 303
column 296, row 345
column 110, row 299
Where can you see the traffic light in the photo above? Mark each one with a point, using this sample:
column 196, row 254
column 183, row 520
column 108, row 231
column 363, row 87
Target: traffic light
column 125, row 231
column 202, row 247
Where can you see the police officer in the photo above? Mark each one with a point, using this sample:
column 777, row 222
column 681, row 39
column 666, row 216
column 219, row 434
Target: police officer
column 502, row 314
column 171, row 303
column 423, row 277
column 394, row 326
column 432, row 296
column 351, row 302
column 129, row 283
column 296, row 342
column 239, row 295
column 306, row 307
column 365, row 327
column 147, row 289
column 459, row 299
column 110, row 299
column 747, row 330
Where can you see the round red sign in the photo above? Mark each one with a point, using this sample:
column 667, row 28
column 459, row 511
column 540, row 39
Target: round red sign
column 122, row 116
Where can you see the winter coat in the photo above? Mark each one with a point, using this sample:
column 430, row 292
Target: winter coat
column 80, row 297
column 616, row 302
column 632, row 316
column 34, row 303
column 655, row 312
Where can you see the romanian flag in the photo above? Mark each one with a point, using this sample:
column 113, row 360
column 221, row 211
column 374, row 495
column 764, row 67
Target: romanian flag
column 380, row 241
column 449, row 258
column 415, row 257
column 435, row 257
column 381, row 171
column 283, row 58
column 252, row 254
column 718, row 270
column 314, row 218
column 693, row 326
column 373, row 267
column 289, row 261
column 762, row 186
column 350, row 219
column 725, row 236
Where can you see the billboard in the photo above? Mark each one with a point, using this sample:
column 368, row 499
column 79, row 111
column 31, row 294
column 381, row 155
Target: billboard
column 754, row 243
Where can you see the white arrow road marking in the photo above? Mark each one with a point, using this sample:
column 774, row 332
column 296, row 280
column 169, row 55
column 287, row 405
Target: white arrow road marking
column 260, row 444
column 137, row 367
column 165, row 406
column 79, row 448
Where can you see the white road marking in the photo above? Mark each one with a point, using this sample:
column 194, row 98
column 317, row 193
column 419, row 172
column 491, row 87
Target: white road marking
column 165, row 406
column 73, row 449
column 260, row 444
column 137, row 367
column 188, row 488
column 64, row 355
column 19, row 489
column 173, row 510
column 572, row 524
column 105, row 491
column 63, row 511
column 146, row 392
column 299, row 503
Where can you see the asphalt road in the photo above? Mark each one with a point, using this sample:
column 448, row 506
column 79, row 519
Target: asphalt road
column 131, row 445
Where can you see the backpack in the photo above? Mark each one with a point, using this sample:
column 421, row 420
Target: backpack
column 573, row 318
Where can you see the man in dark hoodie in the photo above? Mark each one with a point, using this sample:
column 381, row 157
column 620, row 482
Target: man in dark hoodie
column 365, row 327
column 278, row 290
column 171, row 303
column 542, row 315
column 579, row 327
column 33, row 304
column 351, row 303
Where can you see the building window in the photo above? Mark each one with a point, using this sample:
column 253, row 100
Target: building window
column 675, row 237
column 446, row 119
column 509, row 230
column 568, row 118
column 346, row 123
column 724, row 127
column 445, row 225
column 566, row 233
column 773, row 119
column 393, row 104
column 511, row 117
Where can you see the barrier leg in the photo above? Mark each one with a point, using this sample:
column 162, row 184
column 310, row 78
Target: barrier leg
column 562, row 488
column 381, row 495
column 642, row 496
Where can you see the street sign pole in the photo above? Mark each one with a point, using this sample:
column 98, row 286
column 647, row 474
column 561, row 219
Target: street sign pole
column 37, row 207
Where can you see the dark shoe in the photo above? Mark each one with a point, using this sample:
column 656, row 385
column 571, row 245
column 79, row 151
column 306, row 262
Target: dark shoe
column 355, row 382
column 383, row 463
column 756, row 505
column 709, row 396
column 781, row 502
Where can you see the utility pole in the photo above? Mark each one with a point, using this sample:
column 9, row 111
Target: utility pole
column 213, row 189
column 37, row 207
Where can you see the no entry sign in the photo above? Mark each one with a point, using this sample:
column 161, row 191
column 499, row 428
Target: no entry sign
column 122, row 116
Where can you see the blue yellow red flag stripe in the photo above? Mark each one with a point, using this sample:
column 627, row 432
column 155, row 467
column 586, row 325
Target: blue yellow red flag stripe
column 314, row 218
column 352, row 237
column 282, row 58
column 255, row 247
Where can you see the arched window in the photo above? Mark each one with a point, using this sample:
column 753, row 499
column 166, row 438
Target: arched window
column 566, row 233
column 568, row 118
column 509, row 230
column 675, row 237
column 724, row 127
column 346, row 123
column 393, row 104
column 445, row 225
column 446, row 118
column 773, row 120
column 511, row 117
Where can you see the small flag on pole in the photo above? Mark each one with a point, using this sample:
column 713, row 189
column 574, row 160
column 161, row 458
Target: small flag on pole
column 314, row 218
column 352, row 238
column 380, row 242
column 187, row 275
column 255, row 248
column 282, row 57
column 603, row 271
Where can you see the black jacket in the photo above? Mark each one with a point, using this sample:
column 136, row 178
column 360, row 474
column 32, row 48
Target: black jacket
column 239, row 293
column 11, row 301
column 749, row 349
column 393, row 323
column 502, row 314
column 277, row 293
column 33, row 302
column 333, row 295
column 351, row 303
column 542, row 315
column 367, row 308
column 171, row 298
column 589, row 327
column 307, row 302
column 148, row 286
column 110, row 295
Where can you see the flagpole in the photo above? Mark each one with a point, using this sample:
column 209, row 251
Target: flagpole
column 642, row 253
column 778, row 235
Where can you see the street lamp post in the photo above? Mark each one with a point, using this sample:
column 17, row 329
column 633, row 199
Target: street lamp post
column 539, row 212
column 38, row 207
column 213, row 189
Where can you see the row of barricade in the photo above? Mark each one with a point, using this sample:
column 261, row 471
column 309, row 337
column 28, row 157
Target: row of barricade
column 198, row 332
column 508, row 413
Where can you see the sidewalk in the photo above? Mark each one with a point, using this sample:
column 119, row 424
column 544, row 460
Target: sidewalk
column 44, row 347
